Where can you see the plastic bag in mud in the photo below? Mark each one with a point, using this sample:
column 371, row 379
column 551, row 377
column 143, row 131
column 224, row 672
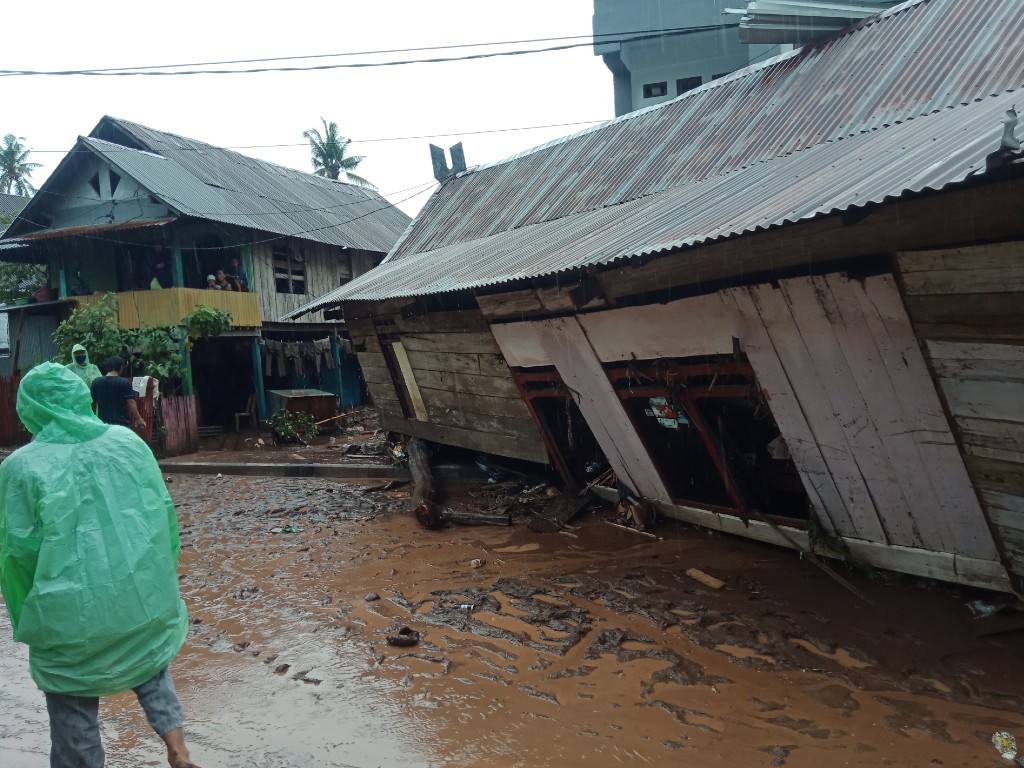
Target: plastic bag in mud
column 1005, row 744
column 88, row 545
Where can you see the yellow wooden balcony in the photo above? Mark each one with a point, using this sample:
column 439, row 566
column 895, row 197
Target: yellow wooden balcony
column 169, row 305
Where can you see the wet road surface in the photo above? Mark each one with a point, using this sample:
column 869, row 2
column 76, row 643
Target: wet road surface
column 589, row 647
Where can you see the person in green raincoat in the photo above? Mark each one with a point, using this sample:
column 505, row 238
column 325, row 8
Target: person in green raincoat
column 88, row 567
column 81, row 366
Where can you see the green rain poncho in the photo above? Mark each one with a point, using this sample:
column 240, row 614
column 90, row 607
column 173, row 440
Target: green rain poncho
column 86, row 372
column 88, row 545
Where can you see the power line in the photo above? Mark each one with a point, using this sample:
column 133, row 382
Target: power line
column 354, row 141
column 161, row 70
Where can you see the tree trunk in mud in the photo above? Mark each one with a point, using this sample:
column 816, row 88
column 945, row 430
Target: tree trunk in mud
column 423, row 492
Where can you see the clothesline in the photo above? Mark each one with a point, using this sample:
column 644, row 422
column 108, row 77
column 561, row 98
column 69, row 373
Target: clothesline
column 302, row 354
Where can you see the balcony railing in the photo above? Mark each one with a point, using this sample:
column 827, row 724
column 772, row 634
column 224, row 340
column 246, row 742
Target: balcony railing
column 169, row 305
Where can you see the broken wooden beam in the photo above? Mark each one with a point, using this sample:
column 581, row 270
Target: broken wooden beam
column 423, row 491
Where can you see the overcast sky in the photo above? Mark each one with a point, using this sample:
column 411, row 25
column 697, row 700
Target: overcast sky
column 275, row 108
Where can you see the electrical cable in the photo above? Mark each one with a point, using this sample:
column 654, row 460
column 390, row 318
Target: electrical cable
column 152, row 72
column 362, row 141
column 392, row 50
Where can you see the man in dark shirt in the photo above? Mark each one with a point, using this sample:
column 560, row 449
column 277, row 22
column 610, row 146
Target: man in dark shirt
column 115, row 398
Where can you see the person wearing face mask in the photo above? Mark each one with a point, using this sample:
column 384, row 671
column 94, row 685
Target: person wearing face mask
column 81, row 366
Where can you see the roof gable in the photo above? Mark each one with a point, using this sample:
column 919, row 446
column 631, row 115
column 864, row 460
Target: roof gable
column 207, row 182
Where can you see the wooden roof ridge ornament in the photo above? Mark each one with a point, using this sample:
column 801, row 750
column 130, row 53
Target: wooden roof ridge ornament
column 1009, row 145
column 441, row 169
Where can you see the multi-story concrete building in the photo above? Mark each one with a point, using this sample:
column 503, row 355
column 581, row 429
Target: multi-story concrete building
column 659, row 49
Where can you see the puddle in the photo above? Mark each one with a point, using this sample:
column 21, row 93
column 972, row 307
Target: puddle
column 533, row 546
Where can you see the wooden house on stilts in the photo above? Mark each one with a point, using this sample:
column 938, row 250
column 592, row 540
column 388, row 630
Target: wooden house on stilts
column 786, row 305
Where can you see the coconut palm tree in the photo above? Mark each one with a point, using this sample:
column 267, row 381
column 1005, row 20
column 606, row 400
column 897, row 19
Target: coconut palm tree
column 15, row 168
column 329, row 155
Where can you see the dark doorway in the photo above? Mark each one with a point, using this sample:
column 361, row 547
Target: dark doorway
column 222, row 379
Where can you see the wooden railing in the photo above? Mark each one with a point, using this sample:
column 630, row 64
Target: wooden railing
column 169, row 305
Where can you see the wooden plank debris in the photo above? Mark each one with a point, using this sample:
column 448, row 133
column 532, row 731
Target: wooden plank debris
column 704, row 578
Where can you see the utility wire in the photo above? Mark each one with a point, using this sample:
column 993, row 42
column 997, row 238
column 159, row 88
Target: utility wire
column 162, row 69
column 362, row 141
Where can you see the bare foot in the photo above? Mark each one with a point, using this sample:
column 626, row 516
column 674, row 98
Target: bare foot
column 177, row 752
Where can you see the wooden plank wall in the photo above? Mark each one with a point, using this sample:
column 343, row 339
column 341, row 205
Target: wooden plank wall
column 967, row 306
column 327, row 266
column 465, row 384
column 849, row 363
column 178, row 416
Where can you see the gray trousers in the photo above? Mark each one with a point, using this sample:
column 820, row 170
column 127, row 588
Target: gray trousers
column 75, row 728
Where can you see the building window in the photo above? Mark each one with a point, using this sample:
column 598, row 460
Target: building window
column 720, row 74
column 684, row 84
column 289, row 270
column 94, row 182
column 655, row 90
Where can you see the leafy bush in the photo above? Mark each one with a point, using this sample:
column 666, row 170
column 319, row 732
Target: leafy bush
column 157, row 350
column 292, row 426
column 153, row 350
column 206, row 322
column 95, row 327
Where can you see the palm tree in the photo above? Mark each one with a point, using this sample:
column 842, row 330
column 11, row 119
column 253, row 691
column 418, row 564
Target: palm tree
column 15, row 168
column 328, row 154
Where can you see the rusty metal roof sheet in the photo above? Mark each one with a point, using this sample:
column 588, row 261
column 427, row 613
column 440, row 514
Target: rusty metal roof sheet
column 92, row 230
column 908, row 100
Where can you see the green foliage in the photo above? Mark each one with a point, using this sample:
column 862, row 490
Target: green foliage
column 18, row 280
column 291, row 426
column 329, row 155
column 94, row 327
column 206, row 322
column 15, row 169
column 157, row 350
column 152, row 350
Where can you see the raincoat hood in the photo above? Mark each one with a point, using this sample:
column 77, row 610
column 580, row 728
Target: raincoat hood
column 55, row 405
column 87, row 371
column 88, row 545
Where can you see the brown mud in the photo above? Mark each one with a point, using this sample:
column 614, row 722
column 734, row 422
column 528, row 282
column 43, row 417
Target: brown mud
column 584, row 648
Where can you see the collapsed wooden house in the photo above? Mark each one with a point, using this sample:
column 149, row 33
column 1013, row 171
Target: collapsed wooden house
column 786, row 305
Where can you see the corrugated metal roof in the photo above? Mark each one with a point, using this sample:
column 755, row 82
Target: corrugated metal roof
column 207, row 182
column 10, row 206
column 905, row 101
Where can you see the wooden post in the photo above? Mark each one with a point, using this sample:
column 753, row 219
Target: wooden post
column 257, row 380
column 62, row 283
column 186, row 370
column 336, row 357
column 179, row 269
column 423, row 505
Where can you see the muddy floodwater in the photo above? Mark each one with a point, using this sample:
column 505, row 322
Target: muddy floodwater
column 589, row 647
